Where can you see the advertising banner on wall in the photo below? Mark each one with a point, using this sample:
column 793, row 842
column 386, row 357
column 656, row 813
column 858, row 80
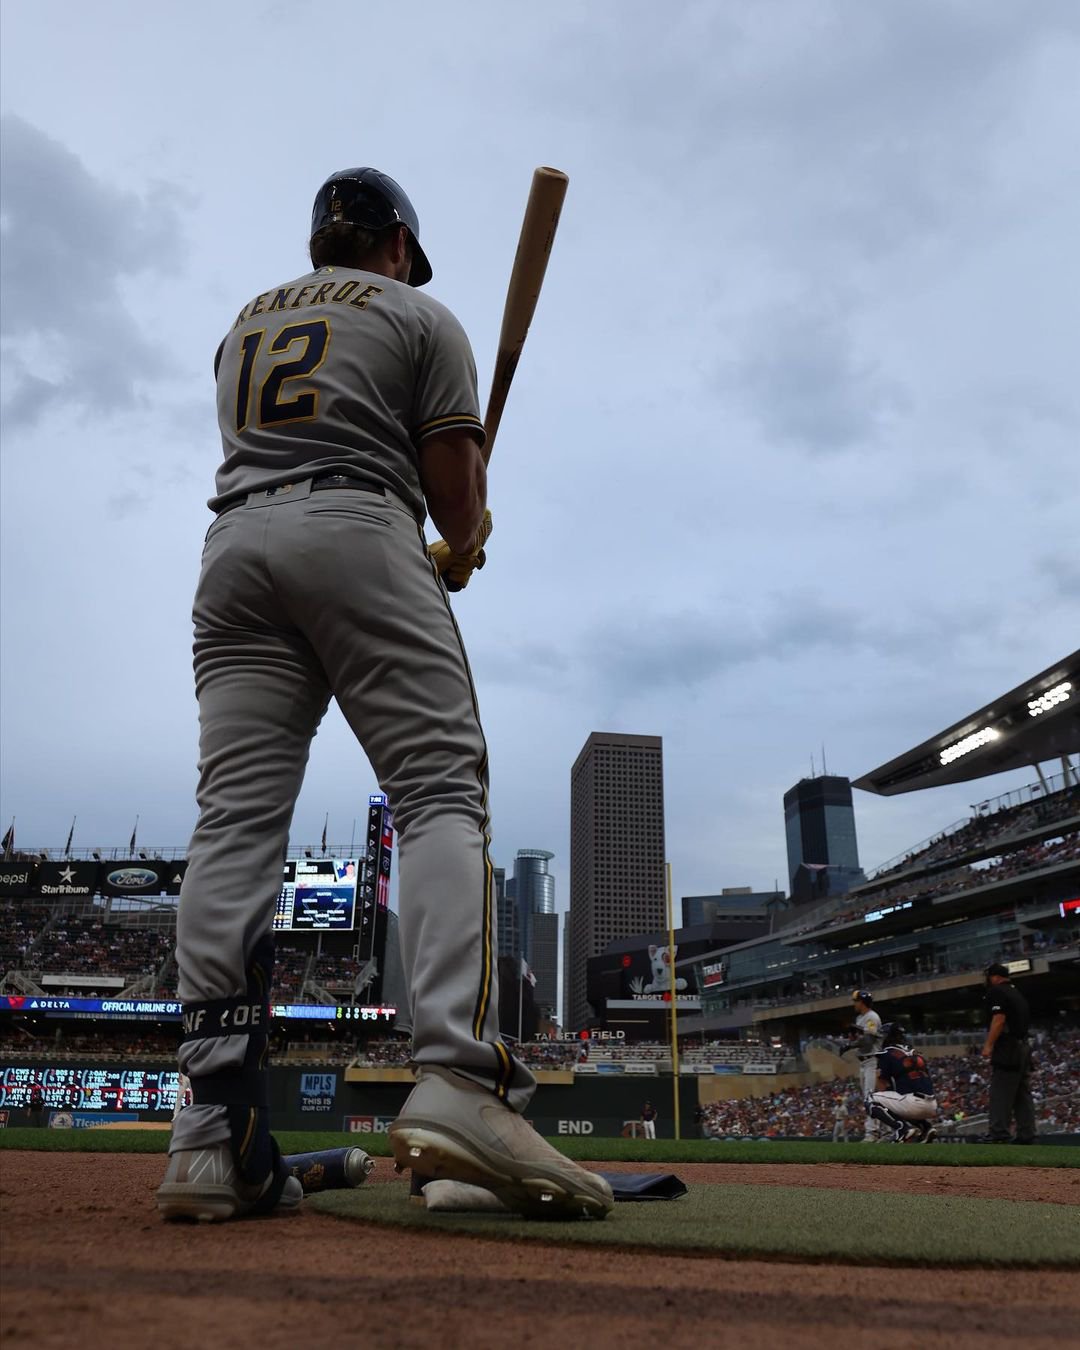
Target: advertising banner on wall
column 317, row 1091
column 67, row 878
column 137, row 877
column 15, row 877
column 174, row 876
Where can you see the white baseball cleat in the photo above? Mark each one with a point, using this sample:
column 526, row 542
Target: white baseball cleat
column 451, row 1127
column 203, row 1184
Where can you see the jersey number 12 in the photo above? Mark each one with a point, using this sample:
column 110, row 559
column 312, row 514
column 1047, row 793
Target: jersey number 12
column 273, row 409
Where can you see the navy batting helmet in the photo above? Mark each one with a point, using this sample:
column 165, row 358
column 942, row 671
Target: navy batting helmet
column 372, row 201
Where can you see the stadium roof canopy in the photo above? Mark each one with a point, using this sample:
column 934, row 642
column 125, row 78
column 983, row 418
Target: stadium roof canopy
column 1036, row 721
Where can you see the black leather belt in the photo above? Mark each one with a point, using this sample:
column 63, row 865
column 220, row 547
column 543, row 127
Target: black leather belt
column 323, row 483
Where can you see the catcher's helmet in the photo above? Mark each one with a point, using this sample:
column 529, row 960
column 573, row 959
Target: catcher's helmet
column 371, row 200
column 894, row 1034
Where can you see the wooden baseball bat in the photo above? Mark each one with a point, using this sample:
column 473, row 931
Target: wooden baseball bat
column 527, row 276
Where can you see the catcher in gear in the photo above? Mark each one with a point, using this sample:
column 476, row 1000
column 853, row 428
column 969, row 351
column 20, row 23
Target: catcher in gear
column 903, row 1099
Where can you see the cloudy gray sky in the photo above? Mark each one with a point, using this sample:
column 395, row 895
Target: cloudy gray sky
column 791, row 454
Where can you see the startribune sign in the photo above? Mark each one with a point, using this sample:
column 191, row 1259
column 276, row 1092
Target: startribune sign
column 66, row 878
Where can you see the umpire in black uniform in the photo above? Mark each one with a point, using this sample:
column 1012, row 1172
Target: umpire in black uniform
column 1009, row 1053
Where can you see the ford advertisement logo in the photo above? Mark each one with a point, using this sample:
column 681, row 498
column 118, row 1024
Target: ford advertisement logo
column 132, row 878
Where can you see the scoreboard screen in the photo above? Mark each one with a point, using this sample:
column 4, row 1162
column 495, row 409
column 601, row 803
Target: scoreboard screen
column 78, row 1089
column 317, row 894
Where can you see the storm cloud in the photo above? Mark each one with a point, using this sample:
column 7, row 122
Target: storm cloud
column 70, row 240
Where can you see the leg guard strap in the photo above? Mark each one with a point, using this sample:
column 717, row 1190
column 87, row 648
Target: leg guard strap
column 225, row 1017
column 883, row 1114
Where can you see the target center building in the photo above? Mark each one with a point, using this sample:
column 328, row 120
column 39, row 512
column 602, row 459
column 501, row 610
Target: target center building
column 616, row 853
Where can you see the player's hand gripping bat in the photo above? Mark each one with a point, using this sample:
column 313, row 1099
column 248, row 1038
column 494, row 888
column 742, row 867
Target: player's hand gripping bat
column 542, row 212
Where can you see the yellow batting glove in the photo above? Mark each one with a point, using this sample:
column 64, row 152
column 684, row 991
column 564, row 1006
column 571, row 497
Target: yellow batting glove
column 455, row 569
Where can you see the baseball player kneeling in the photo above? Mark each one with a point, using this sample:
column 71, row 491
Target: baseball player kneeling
column 904, row 1100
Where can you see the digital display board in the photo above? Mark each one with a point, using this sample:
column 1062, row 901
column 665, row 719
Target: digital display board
column 77, row 1089
column 169, row 1011
column 374, row 891
column 317, row 894
column 163, row 1010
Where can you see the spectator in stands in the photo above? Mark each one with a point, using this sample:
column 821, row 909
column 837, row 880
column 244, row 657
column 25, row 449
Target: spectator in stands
column 648, row 1120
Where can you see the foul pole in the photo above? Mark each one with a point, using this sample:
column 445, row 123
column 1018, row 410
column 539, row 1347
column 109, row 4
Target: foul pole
column 674, row 1004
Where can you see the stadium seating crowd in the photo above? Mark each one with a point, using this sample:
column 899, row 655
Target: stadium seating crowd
column 954, row 880
column 80, row 946
column 984, row 830
column 961, row 1083
column 142, row 1041
column 804, row 989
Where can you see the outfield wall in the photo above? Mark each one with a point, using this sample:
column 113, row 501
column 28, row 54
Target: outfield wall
column 324, row 1098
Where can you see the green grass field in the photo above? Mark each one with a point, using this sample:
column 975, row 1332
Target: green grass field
column 799, row 1223
column 773, row 1222
column 660, row 1151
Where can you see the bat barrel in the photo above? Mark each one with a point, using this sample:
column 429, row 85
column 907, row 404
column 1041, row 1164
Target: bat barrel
column 527, row 275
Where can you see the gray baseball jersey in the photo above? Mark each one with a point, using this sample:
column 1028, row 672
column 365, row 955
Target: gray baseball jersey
column 869, row 1023
column 340, row 371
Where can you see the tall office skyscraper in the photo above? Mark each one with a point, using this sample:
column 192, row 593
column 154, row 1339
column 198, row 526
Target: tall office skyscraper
column 616, row 851
column 545, row 964
column 565, row 1018
column 820, row 823
column 533, row 892
column 506, row 916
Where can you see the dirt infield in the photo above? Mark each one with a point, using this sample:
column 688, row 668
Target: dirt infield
column 85, row 1260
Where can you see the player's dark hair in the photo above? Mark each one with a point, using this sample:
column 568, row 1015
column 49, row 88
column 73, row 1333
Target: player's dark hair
column 343, row 245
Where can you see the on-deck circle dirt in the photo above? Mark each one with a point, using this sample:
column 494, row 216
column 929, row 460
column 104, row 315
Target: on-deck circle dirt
column 86, row 1261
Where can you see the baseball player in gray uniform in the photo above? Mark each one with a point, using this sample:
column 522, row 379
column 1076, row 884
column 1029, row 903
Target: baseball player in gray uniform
column 867, row 1044
column 348, row 410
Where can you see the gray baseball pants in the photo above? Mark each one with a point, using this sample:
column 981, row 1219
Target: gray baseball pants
column 868, row 1078
column 301, row 599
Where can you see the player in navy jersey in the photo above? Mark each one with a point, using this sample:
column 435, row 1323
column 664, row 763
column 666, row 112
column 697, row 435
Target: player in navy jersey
column 904, row 1098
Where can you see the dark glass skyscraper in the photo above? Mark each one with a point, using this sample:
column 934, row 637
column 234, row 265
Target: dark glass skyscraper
column 506, row 913
column 532, row 890
column 820, row 823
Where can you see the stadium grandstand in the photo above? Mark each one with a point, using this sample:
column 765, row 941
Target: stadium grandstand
column 1003, row 884
column 960, row 1081
column 95, row 924
column 88, row 976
